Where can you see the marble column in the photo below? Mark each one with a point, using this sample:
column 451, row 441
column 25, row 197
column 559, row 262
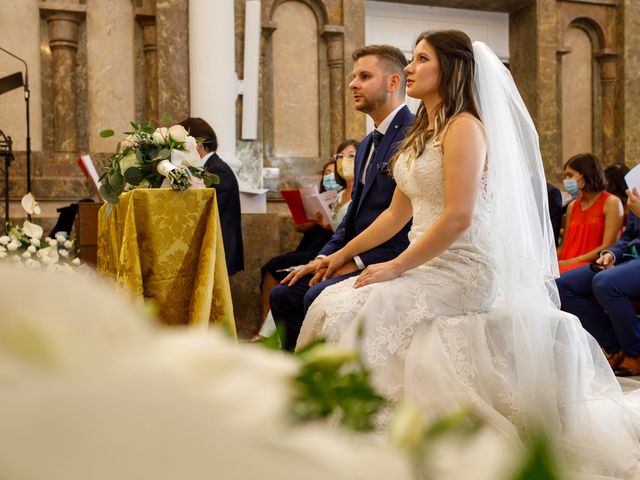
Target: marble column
column 147, row 20
column 213, row 81
column 608, row 67
column 63, row 41
column 334, row 36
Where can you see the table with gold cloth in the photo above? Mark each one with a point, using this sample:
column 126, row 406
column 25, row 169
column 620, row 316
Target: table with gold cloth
column 167, row 246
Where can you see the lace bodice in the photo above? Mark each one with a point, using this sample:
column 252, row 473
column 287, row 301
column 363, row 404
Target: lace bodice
column 423, row 182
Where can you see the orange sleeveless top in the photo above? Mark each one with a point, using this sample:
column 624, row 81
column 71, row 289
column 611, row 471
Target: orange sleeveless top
column 585, row 231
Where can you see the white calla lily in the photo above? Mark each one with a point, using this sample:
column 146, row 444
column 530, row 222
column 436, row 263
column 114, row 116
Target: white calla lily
column 30, row 205
column 32, row 230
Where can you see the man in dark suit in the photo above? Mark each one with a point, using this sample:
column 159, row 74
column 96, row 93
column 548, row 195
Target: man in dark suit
column 378, row 88
column 612, row 320
column 555, row 211
column 227, row 193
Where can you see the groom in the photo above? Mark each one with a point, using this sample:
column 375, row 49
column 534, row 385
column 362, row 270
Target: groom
column 378, row 88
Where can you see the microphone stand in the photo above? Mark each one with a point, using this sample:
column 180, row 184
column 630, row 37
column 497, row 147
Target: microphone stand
column 5, row 151
column 27, row 94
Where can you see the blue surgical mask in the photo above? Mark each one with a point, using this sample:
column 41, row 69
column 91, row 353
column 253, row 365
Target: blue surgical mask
column 571, row 186
column 329, row 182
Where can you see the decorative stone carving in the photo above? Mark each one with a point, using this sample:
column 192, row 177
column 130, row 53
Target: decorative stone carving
column 146, row 18
column 334, row 36
column 63, row 21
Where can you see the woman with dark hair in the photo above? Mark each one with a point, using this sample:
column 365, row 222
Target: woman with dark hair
column 468, row 314
column 616, row 184
column 315, row 234
column 593, row 220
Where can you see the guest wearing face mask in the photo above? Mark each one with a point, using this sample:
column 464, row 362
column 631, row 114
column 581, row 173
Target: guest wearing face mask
column 593, row 220
column 315, row 234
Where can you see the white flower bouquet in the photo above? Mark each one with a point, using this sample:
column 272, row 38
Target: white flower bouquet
column 26, row 246
column 151, row 157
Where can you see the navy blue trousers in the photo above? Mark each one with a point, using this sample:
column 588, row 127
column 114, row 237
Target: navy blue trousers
column 289, row 305
column 612, row 321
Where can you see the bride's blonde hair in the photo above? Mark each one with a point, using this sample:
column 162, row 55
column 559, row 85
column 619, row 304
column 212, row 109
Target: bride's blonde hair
column 455, row 55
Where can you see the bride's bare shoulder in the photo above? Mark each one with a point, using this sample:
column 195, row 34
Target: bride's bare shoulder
column 463, row 125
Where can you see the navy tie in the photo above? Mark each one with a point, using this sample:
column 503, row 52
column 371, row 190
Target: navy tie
column 376, row 136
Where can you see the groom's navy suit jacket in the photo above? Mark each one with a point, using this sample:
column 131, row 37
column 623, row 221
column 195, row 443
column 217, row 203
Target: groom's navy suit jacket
column 372, row 198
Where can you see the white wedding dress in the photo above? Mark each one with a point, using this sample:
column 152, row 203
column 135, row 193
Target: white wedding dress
column 440, row 335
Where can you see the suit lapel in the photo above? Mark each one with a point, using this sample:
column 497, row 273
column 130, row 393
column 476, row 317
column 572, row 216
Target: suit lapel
column 381, row 154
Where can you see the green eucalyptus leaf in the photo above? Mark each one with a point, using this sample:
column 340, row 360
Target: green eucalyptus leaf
column 133, row 175
column 107, row 133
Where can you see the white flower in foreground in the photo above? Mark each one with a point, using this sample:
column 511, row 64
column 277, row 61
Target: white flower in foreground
column 164, row 167
column 68, row 244
column 60, row 237
column 3, row 249
column 31, row 263
column 32, row 230
column 190, row 144
column 52, row 242
column 161, row 135
column 63, row 253
column 35, row 242
column 3, row 254
column 4, row 240
column 76, row 261
column 329, row 355
column 30, row 205
column 13, row 246
column 26, row 254
column 407, row 426
column 130, row 141
column 48, row 255
column 178, row 133
column 31, row 249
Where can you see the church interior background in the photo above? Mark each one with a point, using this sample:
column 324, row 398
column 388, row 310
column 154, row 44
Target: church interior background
column 271, row 77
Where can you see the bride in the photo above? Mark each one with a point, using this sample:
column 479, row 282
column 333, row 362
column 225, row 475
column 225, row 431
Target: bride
column 468, row 313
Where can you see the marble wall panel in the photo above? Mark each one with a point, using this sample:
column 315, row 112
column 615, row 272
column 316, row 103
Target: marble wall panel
column 20, row 27
column 296, row 84
column 353, row 38
column 577, row 94
column 628, row 118
column 110, row 70
column 172, row 26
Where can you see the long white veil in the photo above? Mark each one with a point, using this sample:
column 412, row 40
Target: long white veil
column 554, row 367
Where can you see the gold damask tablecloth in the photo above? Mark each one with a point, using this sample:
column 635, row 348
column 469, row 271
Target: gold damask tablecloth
column 167, row 246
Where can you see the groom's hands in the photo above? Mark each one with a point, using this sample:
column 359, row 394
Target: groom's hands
column 309, row 269
column 319, row 269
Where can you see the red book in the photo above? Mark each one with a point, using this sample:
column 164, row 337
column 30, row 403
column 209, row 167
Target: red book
column 296, row 207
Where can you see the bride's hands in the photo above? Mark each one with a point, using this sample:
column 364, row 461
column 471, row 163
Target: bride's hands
column 379, row 272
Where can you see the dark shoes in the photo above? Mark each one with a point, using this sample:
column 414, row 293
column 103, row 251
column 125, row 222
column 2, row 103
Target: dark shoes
column 628, row 367
column 615, row 359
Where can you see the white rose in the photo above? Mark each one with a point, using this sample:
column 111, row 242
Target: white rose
column 35, row 242
column 161, row 135
column 48, row 255
column 178, row 133
column 26, row 254
column 63, row 253
column 190, row 144
column 4, row 240
column 329, row 355
column 31, row 249
column 76, row 261
column 32, row 230
column 13, row 246
column 407, row 426
column 68, row 244
column 164, row 167
column 130, row 141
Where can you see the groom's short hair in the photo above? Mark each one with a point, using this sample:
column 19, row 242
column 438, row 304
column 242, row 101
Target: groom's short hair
column 199, row 128
column 391, row 57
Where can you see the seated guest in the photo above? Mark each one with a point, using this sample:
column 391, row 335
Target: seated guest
column 555, row 210
column 612, row 320
column 593, row 220
column 345, row 159
column 616, row 184
column 315, row 235
column 227, row 193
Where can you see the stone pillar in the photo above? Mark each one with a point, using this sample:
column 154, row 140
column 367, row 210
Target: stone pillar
column 334, row 36
column 608, row 67
column 147, row 20
column 213, row 80
column 63, row 41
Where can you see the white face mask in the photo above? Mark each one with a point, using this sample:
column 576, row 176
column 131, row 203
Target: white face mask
column 571, row 186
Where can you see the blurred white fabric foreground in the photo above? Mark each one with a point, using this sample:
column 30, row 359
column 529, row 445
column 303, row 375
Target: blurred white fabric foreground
column 89, row 388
